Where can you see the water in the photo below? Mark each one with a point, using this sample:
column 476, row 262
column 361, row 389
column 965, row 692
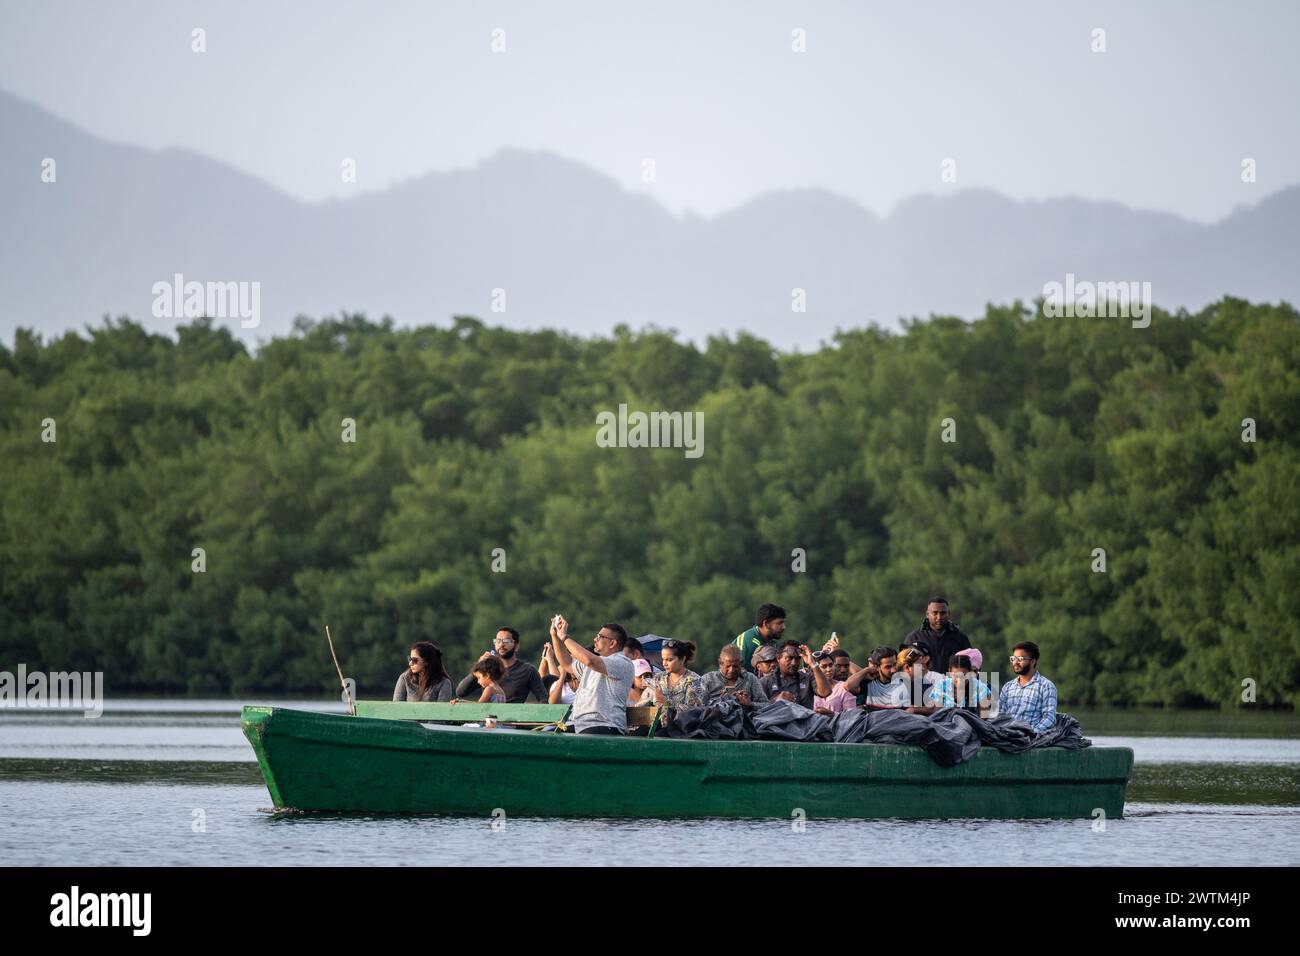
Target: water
column 161, row 783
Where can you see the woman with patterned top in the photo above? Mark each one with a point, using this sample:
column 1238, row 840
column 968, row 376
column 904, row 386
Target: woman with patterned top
column 676, row 688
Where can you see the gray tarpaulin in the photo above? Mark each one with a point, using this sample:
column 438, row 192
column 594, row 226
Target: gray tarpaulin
column 951, row 736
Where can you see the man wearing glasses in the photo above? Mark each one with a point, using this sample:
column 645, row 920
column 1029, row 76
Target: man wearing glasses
column 519, row 679
column 1031, row 697
column 604, row 677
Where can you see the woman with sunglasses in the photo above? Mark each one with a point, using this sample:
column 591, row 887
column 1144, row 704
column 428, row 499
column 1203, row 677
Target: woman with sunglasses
column 676, row 688
column 425, row 678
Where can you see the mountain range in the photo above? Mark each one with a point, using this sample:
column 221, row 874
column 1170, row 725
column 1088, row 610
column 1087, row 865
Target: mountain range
column 571, row 248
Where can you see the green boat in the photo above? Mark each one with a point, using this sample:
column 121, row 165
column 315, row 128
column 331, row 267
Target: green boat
column 389, row 759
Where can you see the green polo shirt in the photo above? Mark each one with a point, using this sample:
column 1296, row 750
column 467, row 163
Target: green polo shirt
column 748, row 642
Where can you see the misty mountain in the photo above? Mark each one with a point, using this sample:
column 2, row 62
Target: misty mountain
column 571, row 248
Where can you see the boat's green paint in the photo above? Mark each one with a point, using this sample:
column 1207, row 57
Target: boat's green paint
column 326, row 762
column 415, row 710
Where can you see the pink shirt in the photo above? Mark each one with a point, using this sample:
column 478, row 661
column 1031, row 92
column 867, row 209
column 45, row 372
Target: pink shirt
column 839, row 700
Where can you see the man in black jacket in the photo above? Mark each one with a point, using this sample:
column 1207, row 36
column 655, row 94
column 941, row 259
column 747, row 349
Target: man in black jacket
column 939, row 635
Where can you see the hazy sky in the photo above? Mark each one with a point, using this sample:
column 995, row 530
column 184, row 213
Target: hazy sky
column 712, row 92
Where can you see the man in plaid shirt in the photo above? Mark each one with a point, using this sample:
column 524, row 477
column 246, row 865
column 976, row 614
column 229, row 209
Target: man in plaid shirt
column 1031, row 697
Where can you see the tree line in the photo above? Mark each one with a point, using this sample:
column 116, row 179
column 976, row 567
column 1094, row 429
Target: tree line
column 187, row 515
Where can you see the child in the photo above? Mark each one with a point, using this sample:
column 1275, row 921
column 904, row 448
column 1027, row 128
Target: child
column 489, row 671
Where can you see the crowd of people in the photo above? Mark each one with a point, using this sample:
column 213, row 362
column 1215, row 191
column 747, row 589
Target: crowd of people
column 934, row 667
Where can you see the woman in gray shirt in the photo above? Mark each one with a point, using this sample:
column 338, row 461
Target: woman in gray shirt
column 425, row 678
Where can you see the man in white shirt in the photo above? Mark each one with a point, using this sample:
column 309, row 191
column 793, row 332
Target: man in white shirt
column 604, row 677
column 879, row 680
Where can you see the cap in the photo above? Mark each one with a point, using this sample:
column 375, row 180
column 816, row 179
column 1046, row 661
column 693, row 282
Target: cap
column 907, row 655
column 976, row 657
column 765, row 653
column 641, row 666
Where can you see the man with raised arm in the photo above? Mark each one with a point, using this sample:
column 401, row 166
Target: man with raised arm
column 604, row 677
column 790, row 682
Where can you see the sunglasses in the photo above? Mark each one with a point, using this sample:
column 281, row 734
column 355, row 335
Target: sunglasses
column 413, row 660
column 673, row 645
column 1019, row 660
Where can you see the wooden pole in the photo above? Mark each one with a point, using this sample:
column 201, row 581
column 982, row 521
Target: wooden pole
column 352, row 708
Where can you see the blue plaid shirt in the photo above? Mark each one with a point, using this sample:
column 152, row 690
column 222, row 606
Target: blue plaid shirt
column 1034, row 703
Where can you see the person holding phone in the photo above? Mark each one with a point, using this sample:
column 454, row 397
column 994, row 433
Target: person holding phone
column 604, row 677
column 518, row 678
column 732, row 680
column 676, row 687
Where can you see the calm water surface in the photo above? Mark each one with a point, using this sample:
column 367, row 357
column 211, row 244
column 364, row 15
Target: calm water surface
column 162, row 783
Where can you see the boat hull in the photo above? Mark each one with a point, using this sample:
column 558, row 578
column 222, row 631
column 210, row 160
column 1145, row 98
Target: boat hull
column 323, row 762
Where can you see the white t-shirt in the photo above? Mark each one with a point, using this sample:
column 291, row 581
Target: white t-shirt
column 601, row 700
column 894, row 694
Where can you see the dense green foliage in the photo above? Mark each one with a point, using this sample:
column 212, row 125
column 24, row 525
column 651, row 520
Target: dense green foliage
column 1072, row 434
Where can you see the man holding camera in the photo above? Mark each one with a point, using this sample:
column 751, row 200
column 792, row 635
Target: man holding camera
column 604, row 677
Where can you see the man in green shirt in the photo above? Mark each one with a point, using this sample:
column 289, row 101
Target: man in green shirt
column 768, row 627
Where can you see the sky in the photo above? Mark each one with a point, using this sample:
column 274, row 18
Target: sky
column 714, row 94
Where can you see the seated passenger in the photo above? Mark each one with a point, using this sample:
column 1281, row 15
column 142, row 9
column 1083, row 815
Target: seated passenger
column 425, row 678
column 789, row 682
column 676, row 688
column 641, row 694
column 1031, row 697
column 878, row 685
column 929, row 676
column 488, row 672
column 921, row 699
column 963, row 688
column 764, row 660
column 604, row 677
column 564, row 689
column 732, row 680
column 834, row 664
column 518, row 677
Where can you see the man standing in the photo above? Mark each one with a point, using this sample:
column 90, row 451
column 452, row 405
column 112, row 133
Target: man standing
column 940, row 636
column 790, row 683
column 732, row 680
column 604, row 677
column 769, row 626
column 519, row 679
column 1031, row 697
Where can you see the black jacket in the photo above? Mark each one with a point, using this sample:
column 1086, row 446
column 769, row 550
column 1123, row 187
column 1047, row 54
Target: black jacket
column 941, row 646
